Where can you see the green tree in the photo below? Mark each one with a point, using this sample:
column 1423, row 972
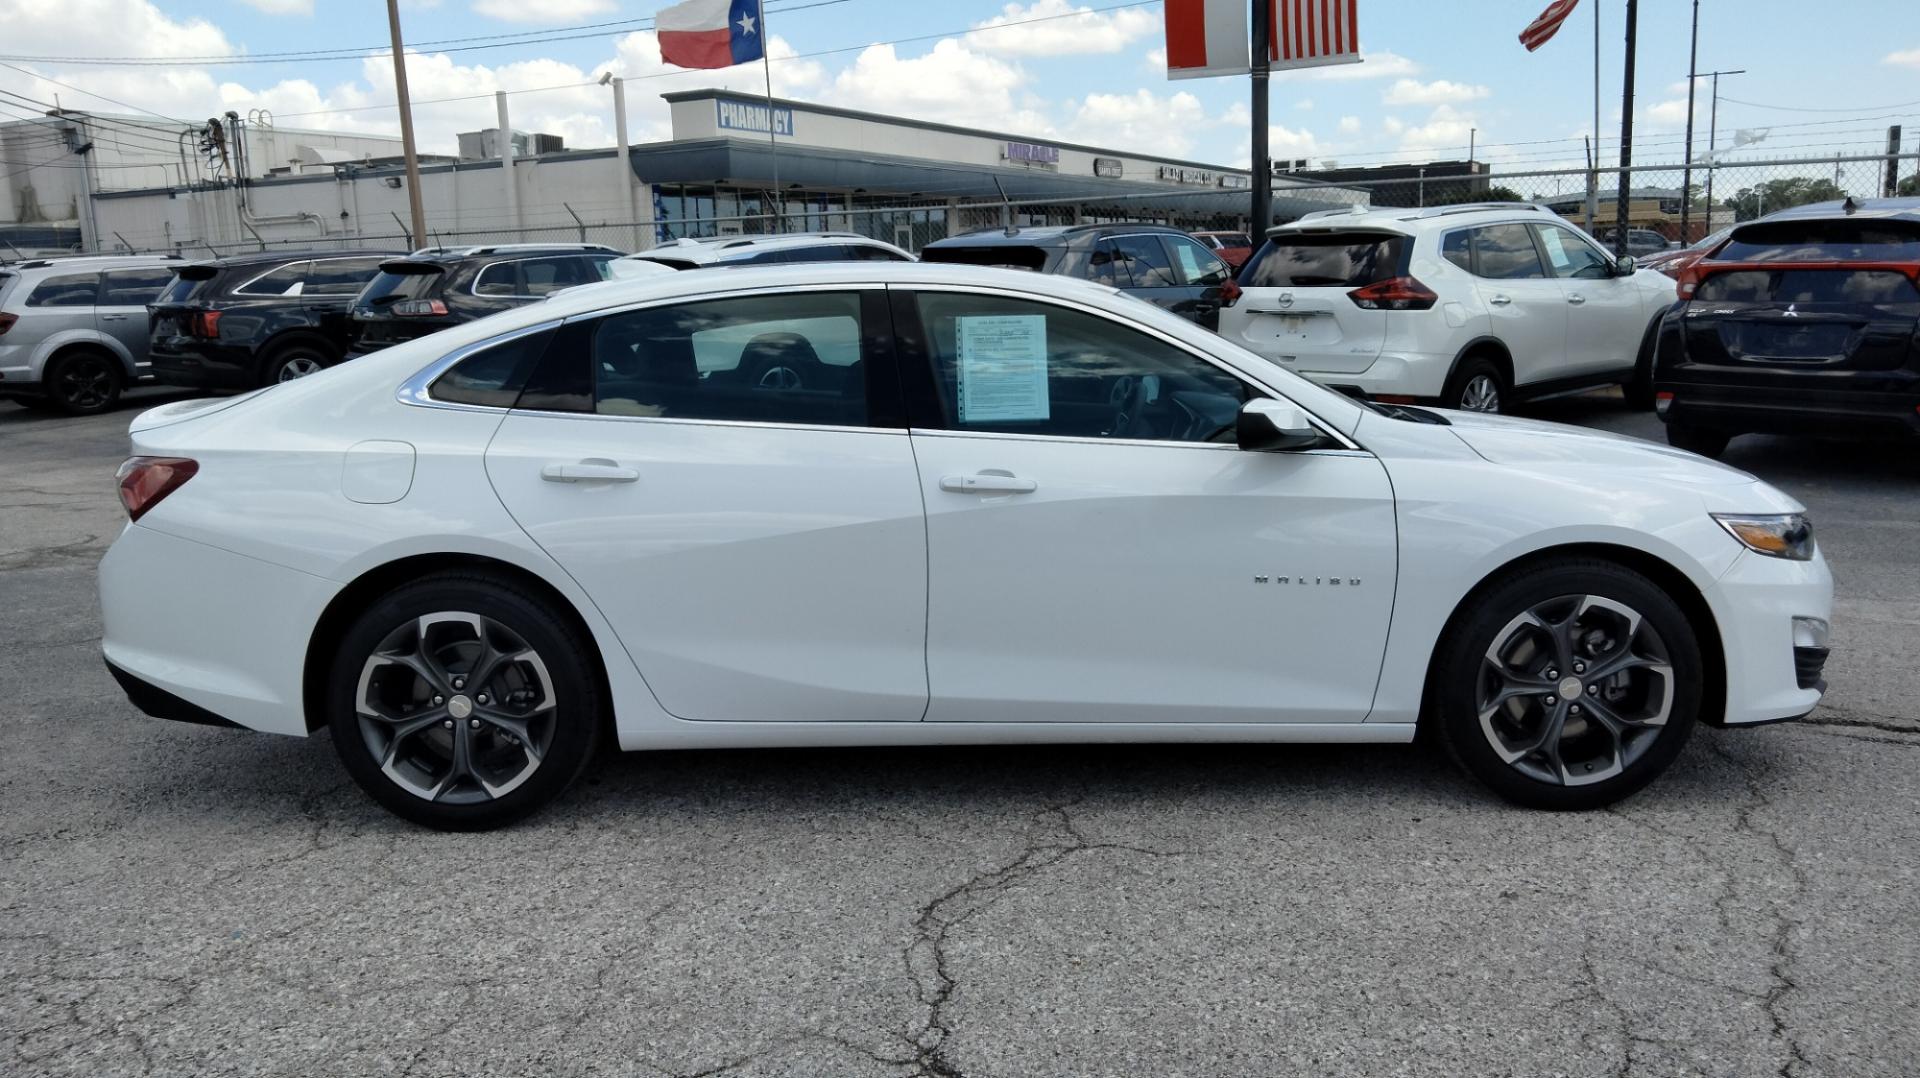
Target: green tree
column 1773, row 195
column 1908, row 187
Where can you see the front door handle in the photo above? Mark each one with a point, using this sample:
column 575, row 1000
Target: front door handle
column 1576, row 298
column 591, row 470
column 1499, row 301
column 987, row 483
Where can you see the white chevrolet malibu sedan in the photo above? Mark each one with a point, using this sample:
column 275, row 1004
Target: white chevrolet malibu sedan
column 904, row 504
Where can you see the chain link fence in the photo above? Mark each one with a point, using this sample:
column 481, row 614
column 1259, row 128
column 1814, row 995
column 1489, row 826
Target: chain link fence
column 1681, row 204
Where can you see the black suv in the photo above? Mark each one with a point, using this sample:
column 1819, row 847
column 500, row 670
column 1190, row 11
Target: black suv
column 253, row 320
column 437, row 287
column 1806, row 322
column 1161, row 265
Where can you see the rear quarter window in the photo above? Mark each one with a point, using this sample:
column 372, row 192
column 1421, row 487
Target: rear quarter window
column 66, row 290
column 1324, row 260
column 1848, row 240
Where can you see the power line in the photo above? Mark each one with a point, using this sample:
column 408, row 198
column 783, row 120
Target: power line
column 1799, row 108
column 90, row 93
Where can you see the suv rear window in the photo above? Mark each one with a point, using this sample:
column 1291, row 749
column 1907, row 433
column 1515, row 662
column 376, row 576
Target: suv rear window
column 1845, row 240
column 182, row 288
column 387, row 287
column 1324, row 260
column 1880, row 288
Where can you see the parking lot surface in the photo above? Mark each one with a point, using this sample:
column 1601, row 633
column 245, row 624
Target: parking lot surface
column 185, row 900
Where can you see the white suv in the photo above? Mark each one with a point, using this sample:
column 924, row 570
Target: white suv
column 760, row 250
column 1471, row 306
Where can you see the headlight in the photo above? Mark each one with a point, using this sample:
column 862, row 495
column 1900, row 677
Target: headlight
column 1777, row 535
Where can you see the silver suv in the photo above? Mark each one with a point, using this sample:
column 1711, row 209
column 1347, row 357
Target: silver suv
column 73, row 331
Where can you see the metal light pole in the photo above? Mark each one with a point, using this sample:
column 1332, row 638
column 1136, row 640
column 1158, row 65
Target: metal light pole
column 1713, row 134
column 1262, row 70
column 1626, row 137
column 1686, row 174
column 406, row 127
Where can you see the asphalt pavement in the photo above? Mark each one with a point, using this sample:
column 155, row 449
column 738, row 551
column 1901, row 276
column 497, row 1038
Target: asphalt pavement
column 177, row 900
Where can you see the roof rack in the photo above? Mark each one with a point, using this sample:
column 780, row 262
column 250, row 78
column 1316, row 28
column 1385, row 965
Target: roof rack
column 1471, row 207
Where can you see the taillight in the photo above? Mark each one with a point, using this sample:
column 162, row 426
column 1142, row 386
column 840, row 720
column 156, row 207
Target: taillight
column 146, row 480
column 419, row 308
column 1688, row 280
column 1394, row 294
column 7, row 321
column 204, row 324
column 1662, row 401
column 1230, row 293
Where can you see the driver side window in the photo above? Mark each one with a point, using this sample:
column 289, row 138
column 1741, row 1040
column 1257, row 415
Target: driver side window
column 1572, row 256
column 1020, row 367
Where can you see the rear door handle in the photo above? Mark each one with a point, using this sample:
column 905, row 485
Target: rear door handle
column 113, row 318
column 1499, row 301
column 987, row 483
column 591, row 470
column 1576, row 298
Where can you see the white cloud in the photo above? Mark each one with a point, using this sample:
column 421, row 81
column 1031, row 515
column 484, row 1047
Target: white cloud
column 1155, row 61
column 541, row 11
column 1349, row 125
column 1437, row 92
column 950, row 84
column 282, row 7
column 1092, row 32
column 1142, row 121
column 1446, row 130
column 1372, row 65
column 1287, row 142
column 1903, row 58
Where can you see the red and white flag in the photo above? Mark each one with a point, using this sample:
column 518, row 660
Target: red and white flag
column 1544, row 27
column 1206, row 38
column 1314, row 33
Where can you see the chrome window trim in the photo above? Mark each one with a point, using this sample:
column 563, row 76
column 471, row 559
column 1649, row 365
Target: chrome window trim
column 750, row 424
column 241, row 289
column 1326, row 426
column 417, row 390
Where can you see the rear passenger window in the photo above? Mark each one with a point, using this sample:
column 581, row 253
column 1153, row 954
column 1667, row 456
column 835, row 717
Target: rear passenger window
column 1195, row 265
column 67, row 290
column 1507, row 252
column 1146, row 261
column 492, row 376
column 769, row 359
column 134, row 287
column 1457, row 248
column 288, row 280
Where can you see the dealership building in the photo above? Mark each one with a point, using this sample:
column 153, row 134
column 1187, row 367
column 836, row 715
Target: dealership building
column 733, row 163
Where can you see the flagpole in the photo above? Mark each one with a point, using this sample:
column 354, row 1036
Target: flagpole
column 773, row 139
column 1593, row 159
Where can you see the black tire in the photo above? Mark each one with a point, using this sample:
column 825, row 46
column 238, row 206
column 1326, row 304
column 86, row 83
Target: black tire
column 295, row 359
column 1464, row 676
column 1474, row 376
column 1702, row 440
column 84, row 382
column 568, row 732
column 1639, row 388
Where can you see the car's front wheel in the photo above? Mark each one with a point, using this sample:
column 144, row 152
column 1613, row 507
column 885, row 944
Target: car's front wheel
column 461, row 702
column 1567, row 685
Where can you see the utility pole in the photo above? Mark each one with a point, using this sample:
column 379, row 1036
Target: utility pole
column 1262, row 70
column 1686, row 173
column 406, row 127
column 1626, row 137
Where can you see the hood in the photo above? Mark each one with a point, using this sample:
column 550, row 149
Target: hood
column 1532, row 443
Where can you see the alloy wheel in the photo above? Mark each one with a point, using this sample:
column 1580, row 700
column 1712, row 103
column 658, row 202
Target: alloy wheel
column 456, row 708
column 85, row 382
column 298, row 367
column 1575, row 689
column 1480, row 394
column 780, row 377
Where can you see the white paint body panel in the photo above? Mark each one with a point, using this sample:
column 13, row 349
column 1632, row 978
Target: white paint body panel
column 213, row 595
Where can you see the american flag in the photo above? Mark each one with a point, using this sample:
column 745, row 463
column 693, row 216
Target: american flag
column 1542, row 28
column 1309, row 33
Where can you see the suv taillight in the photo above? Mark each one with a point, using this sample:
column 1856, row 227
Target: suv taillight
column 1688, row 280
column 1230, row 292
column 7, row 320
column 146, row 480
column 204, row 324
column 419, row 308
column 1394, row 294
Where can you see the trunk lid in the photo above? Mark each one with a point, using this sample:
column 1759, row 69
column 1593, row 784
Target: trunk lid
column 1295, row 308
column 1804, row 317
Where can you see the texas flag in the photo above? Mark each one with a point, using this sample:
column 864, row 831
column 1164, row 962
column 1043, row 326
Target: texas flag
column 710, row 33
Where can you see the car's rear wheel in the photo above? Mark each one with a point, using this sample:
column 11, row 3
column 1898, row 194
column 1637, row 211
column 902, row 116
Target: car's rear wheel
column 296, row 360
column 84, row 382
column 1476, row 387
column 1702, row 440
column 462, row 703
column 1568, row 685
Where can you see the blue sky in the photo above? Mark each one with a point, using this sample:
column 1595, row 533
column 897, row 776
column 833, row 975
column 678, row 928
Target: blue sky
column 1436, row 70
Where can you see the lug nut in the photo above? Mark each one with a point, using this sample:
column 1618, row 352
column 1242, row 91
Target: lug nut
column 1593, row 690
column 481, row 698
column 438, row 700
column 473, row 724
column 448, row 724
column 459, row 683
column 1579, row 668
column 1551, row 700
column 1575, row 709
column 1552, row 673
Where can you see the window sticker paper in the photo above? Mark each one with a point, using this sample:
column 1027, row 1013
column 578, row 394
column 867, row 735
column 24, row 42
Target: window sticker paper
column 1003, row 367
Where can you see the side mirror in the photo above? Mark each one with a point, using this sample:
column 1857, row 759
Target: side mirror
column 1624, row 266
column 1270, row 426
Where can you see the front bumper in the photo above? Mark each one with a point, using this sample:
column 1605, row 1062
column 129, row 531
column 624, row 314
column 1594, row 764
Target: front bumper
column 1737, row 409
column 1769, row 677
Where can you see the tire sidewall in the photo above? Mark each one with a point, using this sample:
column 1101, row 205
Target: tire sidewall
column 575, row 683
column 281, row 356
column 1470, row 369
column 1456, row 678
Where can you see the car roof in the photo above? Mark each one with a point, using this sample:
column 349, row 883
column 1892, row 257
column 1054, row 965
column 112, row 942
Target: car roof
column 1409, row 219
column 709, row 249
column 258, row 258
column 475, row 251
column 61, row 262
column 1897, row 209
column 1046, row 235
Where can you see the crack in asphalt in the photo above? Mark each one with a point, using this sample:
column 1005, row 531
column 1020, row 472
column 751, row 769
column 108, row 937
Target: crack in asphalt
column 46, row 557
column 926, row 957
column 1862, row 720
